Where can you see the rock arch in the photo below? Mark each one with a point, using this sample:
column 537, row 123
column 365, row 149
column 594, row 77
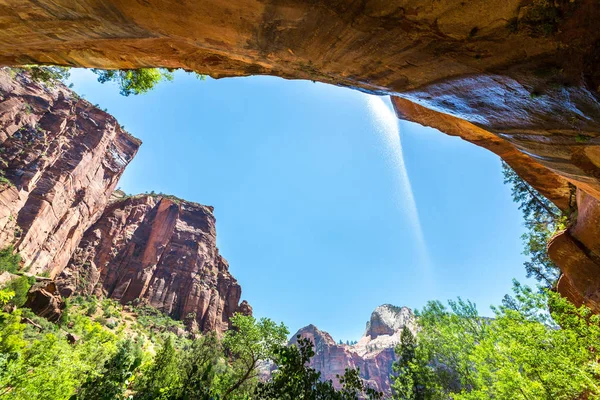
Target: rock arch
column 517, row 77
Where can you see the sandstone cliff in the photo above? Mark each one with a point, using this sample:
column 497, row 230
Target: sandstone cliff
column 373, row 354
column 62, row 158
column 518, row 77
column 160, row 251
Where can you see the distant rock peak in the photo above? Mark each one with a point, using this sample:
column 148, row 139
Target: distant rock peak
column 387, row 320
column 373, row 353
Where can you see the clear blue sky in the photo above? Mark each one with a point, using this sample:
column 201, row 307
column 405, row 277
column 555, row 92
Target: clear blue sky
column 309, row 211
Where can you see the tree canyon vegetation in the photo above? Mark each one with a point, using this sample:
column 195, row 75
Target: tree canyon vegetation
column 106, row 295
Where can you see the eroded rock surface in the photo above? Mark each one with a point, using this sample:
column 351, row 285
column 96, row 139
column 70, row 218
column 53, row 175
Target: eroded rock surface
column 45, row 300
column 518, row 77
column 160, row 251
column 373, row 354
column 62, row 158
column 577, row 251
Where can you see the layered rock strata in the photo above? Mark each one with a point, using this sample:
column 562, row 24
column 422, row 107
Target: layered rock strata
column 518, row 77
column 373, row 354
column 61, row 158
column 159, row 251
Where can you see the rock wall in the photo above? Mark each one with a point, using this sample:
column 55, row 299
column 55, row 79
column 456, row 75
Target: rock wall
column 62, row 158
column 373, row 354
column 518, row 77
column 160, row 251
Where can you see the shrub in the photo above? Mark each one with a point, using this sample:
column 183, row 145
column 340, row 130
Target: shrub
column 21, row 287
column 9, row 260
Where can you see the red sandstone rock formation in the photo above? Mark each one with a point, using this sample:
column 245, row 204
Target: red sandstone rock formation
column 44, row 300
column 518, row 77
column 63, row 158
column 373, row 354
column 163, row 252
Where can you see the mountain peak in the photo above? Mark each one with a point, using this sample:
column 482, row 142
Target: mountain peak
column 387, row 320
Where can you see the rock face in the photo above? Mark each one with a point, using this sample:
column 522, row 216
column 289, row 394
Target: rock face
column 373, row 354
column 577, row 251
column 44, row 300
column 161, row 251
column 62, row 157
column 518, row 77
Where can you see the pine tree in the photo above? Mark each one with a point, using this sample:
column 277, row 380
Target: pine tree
column 406, row 384
column 542, row 219
column 112, row 382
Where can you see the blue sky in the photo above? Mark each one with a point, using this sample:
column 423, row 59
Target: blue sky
column 310, row 209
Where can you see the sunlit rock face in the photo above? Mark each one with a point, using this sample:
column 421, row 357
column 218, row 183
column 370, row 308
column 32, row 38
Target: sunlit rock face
column 376, row 45
column 62, row 157
column 577, row 251
column 373, row 354
column 510, row 76
column 161, row 252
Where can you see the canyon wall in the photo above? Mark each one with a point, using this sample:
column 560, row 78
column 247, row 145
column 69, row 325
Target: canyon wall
column 373, row 354
column 61, row 158
column 518, row 77
column 159, row 251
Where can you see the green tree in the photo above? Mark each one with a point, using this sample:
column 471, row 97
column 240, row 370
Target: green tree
column 248, row 343
column 48, row 74
column 134, row 81
column 162, row 379
column 405, row 381
column 201, row 369
column 526, row 352
column 9, row 260
column 542, row 219
column 112, row 381
column 20, row 286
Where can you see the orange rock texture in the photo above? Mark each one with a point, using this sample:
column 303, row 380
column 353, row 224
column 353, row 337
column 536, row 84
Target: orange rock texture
column 518, row 77
column 161, row 252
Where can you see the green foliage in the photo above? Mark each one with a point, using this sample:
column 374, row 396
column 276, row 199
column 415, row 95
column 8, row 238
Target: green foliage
column 20, row 286
column 249, row 342
column 4, row 181
column 194, row 372
column 112, row 381
column 9, row 260
column 45, row 74
column 161, row 380
column 295, row 380
column 541, row 18
column 134, row 81
column 525, row 352
column 153, row 320
column 405, row 381
column 542, row 220
column 48, row 366
column 581, row 138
